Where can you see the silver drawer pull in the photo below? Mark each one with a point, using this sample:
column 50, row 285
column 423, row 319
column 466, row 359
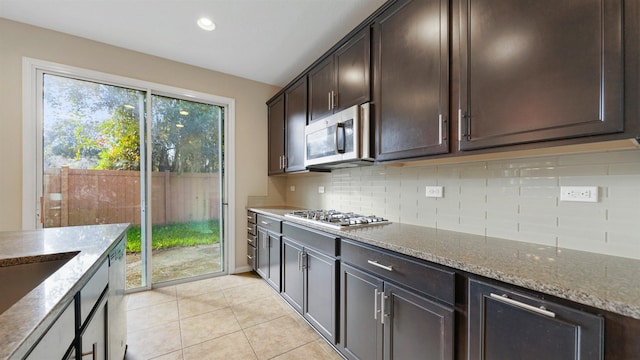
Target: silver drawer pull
column 250, row 257
column 540, row 310
column 377, row 264
column 264, row 222
column 249, row 229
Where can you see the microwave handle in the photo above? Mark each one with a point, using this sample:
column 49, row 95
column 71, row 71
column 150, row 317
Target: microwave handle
column 340, row 140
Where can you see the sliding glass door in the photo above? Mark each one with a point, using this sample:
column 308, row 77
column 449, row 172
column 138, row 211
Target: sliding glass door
column 113, row 154
column 186, row 163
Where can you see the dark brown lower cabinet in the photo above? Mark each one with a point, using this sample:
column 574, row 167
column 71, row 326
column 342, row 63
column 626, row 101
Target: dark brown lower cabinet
column 505, row 324
column 309, row 277
column 380, row 320
column 268, row 257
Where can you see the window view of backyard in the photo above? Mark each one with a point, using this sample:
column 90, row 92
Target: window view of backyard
column 95, row 171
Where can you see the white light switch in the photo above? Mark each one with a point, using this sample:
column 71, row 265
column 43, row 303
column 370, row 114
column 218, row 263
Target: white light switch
column 434, row 191
column 320, row 189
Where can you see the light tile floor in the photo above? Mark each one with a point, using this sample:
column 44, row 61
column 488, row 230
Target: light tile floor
column 228, row 317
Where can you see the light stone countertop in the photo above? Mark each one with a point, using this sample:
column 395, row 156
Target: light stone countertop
column 605, row 282
column 24, row 322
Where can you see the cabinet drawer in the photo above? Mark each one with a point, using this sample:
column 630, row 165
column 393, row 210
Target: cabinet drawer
column 251, row 239
column 505, row 324
column 430, row 280
column 251, row 256
column 251, row 229
column 90, row 293
column 269, row 223
column 320, row 241
column 251, row 217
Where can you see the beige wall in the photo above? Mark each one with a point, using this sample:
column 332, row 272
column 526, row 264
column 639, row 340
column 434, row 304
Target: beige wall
column 19, row 40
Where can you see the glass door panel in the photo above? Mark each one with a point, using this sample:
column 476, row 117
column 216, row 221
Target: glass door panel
column 186, row 188
column 91, row 169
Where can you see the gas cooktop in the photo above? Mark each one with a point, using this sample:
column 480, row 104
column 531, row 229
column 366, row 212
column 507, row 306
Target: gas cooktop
column 336, row 219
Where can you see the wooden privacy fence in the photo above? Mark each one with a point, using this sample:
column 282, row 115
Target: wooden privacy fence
column 85, row 197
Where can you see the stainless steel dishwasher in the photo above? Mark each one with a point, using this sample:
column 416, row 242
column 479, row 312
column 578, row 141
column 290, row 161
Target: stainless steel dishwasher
column 117, row 311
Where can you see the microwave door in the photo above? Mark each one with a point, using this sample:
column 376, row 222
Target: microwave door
column 321, row 144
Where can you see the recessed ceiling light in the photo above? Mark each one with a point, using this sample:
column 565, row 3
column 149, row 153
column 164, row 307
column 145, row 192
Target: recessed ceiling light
column 206, row 24
column 184, row 112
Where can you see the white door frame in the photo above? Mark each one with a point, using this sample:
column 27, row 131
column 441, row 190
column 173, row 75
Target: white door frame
column 32, row 70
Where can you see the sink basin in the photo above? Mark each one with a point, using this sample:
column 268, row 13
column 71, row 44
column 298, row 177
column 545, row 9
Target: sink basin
column 22, row 275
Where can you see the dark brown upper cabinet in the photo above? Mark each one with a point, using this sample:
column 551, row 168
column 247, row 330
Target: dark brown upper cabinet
column 287, row 120
column 342, row 79
column 276, row 135
column 539, row 70
column 411, row 79
column 295, row 99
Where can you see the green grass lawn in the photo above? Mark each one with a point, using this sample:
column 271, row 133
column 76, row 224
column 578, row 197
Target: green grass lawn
column 177, row 234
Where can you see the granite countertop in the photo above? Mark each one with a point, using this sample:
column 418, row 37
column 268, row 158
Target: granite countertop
column 24, row 322
column 606, row 282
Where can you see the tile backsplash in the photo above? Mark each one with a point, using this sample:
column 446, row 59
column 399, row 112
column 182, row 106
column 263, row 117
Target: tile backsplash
column 517, row 199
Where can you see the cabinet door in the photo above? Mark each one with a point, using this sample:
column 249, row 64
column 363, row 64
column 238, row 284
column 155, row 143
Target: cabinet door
column 360, row 326
column 296, row 120
column 508, row 325
column 352, row 64
column 321, row 90
column 262, row 263
column 539, row 70
column 416, row 327
column 94, row 338
column 411, row 79
column 274, row 261
column 292, row 274
column 320, row 292
column 276, row 136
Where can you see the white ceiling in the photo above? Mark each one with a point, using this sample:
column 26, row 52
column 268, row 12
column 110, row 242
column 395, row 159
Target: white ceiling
column 270, row 41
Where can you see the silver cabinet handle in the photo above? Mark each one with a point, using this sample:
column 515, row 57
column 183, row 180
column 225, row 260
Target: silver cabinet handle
column 264, row 222
column 303, row 256
column 540, row 310
column 375, row 304
column 441, row 128
column 250, row 257
column 249, row 229
column 377, row 264
column 382, row 301
column 329, row 100
column 459, row 124
column 299, row 261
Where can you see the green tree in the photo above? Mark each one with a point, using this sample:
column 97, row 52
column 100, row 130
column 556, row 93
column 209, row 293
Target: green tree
column 120, row 141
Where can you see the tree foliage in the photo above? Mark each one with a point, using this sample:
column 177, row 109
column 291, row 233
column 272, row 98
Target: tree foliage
column 100, row 124
column 120, row 141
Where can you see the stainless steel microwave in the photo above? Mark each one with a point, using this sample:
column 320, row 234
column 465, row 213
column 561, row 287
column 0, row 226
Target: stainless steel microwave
column 340, row 140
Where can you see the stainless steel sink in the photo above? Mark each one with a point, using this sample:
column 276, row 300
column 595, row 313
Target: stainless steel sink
column 18, row 280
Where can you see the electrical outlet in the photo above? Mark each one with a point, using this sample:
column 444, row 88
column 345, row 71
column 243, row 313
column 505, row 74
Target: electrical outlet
column 434, row 191
column 320, row 189
column 292, row 188
column 579, row 193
